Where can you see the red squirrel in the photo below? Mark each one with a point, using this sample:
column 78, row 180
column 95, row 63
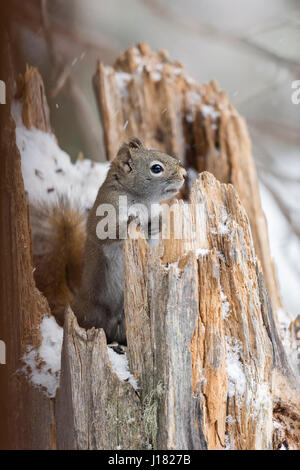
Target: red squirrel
column 84, row 270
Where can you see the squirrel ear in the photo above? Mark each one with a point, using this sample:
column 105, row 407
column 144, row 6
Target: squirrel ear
column 124, row 158
column 135, row 143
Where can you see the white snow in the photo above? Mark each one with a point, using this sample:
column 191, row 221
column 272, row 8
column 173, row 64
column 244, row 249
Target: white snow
column 156, row 76
column 190, row 80
column 122, row 79
column 225, row 221
column 230, row 420
column 262, row 397
column 201, row 252
column 209, row 111
column 193, row 97
column 42, row 366
column 236, row 375
column 178, row 70
column 225, row 304
column 189, row 116
column 48, row 171
column 174, row 269
column 227, row 442
column 119, row 363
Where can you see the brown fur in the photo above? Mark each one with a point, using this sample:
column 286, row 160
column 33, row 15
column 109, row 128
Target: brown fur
column 58, row 236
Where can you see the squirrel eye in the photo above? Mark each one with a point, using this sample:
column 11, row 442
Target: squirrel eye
column 156, row 169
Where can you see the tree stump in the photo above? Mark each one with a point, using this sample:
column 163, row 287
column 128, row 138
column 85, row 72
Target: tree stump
column 207, row 367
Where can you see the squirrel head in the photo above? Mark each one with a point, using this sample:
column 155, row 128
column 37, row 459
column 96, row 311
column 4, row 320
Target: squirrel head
column 149, row 174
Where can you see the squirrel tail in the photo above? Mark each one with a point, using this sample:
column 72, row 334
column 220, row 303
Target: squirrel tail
column 58, row 236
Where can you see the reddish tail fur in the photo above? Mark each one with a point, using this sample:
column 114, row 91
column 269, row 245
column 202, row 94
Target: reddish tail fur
column 58, row 236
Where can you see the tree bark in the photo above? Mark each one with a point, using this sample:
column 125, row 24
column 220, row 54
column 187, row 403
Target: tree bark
column 227, row 354
column 27, row 415
column 35, row 108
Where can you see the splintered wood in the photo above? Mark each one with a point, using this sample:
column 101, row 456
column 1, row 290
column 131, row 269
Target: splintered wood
column 149, row 96
column 27, row 415
column 202, row 325
column 94, row 408
column 30, row 88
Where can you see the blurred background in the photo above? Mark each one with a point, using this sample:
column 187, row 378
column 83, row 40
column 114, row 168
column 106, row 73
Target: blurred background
column 252, row 48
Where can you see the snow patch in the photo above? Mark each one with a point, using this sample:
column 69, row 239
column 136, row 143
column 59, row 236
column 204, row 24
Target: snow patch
column 122, row 79
column 194, row 97
column 227, row 442
column 48, row 171
column 201, row 252
column 156, row 76
column 209, row 111
column 42, row 366
column 120, row 366
column 230, row 420
column 175, row 269
column 225, row 304
column 178, row 70
column 223, row 225
column 225, row 221
column 236, row 375
column 189, row 116
column 263, row 396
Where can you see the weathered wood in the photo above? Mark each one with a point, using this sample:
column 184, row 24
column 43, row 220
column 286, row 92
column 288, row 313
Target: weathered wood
column 94, row 409
column 156, row 314
column 148, row 95
column 286, row 412
column 31, row 90
column 212, row 354
column 27, row 418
